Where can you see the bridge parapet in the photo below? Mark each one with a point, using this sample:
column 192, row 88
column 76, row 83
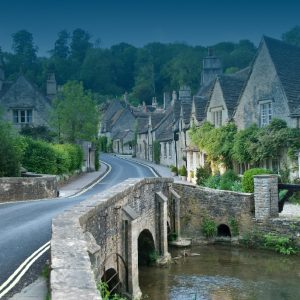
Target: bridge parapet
column 102, row 232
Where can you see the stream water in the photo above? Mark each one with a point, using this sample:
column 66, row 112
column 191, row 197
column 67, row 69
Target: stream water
column 223, row 272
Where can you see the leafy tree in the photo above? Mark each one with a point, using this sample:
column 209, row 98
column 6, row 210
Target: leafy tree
column 80, row 44
column 61, row 47
column 75, row 115
column 292, row 36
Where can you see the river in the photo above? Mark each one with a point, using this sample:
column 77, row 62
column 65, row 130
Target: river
column 222, row 272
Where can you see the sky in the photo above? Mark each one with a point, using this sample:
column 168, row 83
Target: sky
column 138, row 22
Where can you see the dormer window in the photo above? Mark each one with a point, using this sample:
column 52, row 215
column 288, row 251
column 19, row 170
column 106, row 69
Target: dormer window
column 265, row 113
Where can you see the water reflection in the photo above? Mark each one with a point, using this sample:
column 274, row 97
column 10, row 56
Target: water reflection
column 223, row 272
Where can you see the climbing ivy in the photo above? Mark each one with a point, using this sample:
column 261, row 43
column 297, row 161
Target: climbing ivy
column 156, row 152
column 252, row 145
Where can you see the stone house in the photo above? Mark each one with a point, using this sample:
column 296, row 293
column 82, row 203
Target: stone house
column 272, row 90
column 23, row 103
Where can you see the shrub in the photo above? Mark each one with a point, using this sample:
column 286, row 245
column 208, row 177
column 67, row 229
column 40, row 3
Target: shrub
column 63, row 159
column 282, row 244
column 234, row 226
column 202, row 174
column 248, row 181
column 11, row 151
column 156, row 152
column 213, row 182
column 76, row 156
column 39, row 157
column 183, row 171
column 174, row 169
column 228, row 179
column 209, row 227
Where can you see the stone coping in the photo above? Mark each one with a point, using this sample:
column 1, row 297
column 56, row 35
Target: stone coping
column 203, row 188
column 266, row 176
column 72, row 276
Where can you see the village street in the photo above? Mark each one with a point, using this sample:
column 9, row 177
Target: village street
column 26, row 226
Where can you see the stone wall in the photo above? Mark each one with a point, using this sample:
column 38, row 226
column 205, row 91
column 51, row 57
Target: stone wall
column 197, row 203
column 94, row 231
column 24, row 188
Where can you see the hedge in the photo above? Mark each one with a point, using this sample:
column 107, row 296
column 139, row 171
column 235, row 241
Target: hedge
column 45, row 158
column 248, row 181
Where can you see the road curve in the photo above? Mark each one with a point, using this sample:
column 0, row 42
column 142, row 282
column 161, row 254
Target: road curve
column 26, row 226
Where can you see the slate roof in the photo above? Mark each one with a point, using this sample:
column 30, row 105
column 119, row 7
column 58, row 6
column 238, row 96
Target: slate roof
column 200, row 103
column 232, row 86
column 164, row 131
column 286, row 59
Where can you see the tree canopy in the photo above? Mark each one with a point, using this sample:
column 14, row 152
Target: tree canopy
column 75, row 115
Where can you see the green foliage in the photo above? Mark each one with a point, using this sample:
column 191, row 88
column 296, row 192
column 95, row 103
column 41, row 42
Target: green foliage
column 44, row 158
column 234, row 226
column 182, row 171
column 103, row 143
column 172, row 236
column 248, row 180
column 209, row 227
column 292, row 36
column 228, row 179
column 153, row 256
column 174, row 169
column 213, row 182
column 102, row 287
column 282, row 244
column 38, row 133
column 74, row 114
column 156, row 152
column 11, row 151
column 39, row 157
column 202, row 174
column 252, row 239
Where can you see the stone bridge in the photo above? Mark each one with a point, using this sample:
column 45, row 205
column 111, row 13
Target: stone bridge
column 106, row 237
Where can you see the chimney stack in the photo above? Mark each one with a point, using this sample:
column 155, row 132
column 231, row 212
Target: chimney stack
column 51, row 86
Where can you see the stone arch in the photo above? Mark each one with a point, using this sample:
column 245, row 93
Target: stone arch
column 223, row 230
column 146, row 246
column 111, row 277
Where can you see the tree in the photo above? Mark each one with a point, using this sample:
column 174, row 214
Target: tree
column 80, row 44
column 75, row 116
column 292, row 36
column 61, row 47
column 24, row 48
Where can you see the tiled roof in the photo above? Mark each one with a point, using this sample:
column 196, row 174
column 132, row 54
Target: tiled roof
column 286, row 59
column 165, row 130
column 200, row 106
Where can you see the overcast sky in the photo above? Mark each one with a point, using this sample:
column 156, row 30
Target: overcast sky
column 139, row 22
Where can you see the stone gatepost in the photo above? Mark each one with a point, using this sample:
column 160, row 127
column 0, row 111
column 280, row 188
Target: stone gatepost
column 266, row 196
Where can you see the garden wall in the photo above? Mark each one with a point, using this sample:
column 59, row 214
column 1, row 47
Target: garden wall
column 24, row 188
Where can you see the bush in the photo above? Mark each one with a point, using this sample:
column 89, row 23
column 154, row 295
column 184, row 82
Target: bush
column 228, row 179
column 282, row 244
column 76, row 156
column 202, row 174
column 39, row 157
column 11, row 151
column 156, row 152
column 183, row 171
column 209, row 227
column 63, row 159
column 174, row 169
column 213, row 182
column 248, row 181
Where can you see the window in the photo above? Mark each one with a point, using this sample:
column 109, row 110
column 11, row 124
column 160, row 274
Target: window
column 217, row 118
column 165, row 149
column 22, row 116
column 265, row 114
column 170, row 149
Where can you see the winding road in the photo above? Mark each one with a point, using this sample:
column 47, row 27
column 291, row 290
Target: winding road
column 26, row 226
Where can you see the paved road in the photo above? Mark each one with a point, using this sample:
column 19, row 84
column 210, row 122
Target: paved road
column 26, row 226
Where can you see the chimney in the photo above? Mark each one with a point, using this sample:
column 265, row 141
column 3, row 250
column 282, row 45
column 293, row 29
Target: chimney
column 51, row 86
column 166, row 100
column 154, row 102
